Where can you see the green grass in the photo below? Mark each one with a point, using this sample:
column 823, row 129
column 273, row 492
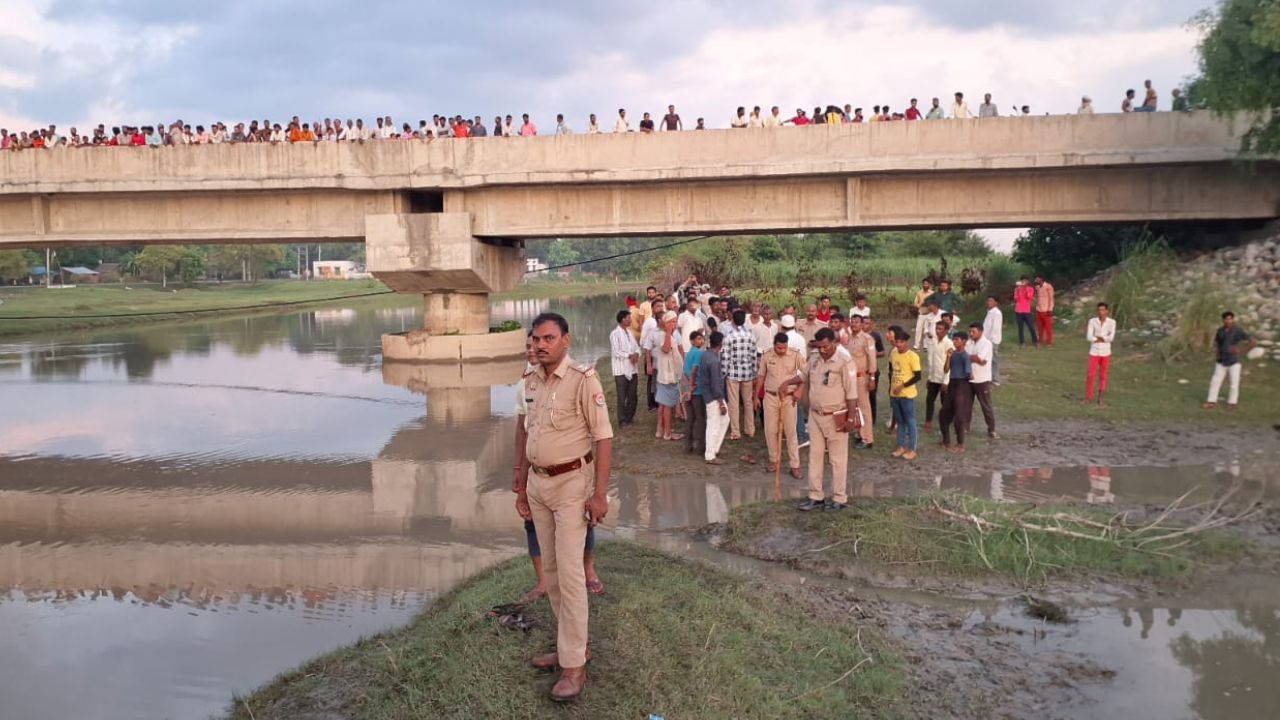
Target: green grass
column 73, row 308
column 672, row 637
column 912, row 532
column 1048, row 383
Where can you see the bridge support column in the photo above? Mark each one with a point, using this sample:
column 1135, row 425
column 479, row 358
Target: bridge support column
column 436, row 255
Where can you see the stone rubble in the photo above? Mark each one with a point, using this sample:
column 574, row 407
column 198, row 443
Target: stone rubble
column 1249, row 275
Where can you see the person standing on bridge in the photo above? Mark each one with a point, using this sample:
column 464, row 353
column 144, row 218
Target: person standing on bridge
column 563, row 486
column 527, row 128
column 621, row 125
column 960, row 109
column 671, row 121
column 935, row 111
column 988, row 108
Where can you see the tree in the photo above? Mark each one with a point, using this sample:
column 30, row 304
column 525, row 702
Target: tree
column 14, row 264
column 765, row 248
column 561, row 253
column 159, row 260
column 1239, row 67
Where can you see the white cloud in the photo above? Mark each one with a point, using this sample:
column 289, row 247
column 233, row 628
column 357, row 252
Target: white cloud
column 869, row 56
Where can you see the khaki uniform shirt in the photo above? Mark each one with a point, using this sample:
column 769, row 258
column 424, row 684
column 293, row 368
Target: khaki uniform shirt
column 863, row 349
column 778, row 369
column 567, row 413
column 832, row 382
column 808, row 329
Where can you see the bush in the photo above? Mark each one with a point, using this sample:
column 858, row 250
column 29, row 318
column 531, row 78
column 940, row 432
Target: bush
column 1197, row 324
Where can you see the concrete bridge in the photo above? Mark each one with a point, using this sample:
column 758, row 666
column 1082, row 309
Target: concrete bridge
column 448, row 219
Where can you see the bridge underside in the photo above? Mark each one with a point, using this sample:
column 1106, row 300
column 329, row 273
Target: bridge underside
column 990, row 198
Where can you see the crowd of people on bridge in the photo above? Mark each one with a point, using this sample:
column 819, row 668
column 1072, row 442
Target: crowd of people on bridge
column 179, row 132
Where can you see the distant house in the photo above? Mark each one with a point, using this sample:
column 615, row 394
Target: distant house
column 79, row 274
column 535, row 266
column 109, row 272
column 333, row 269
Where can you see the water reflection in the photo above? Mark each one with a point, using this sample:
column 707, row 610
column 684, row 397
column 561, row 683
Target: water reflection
column 1170, row 662
column 221, row 500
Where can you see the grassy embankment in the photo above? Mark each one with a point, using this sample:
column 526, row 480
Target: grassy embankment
column 672, row 637
column 76, row 308
column 959, row 535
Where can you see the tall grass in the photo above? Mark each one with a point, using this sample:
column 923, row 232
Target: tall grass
column 891, row 273
column 1128, row 293
column 1200, row 318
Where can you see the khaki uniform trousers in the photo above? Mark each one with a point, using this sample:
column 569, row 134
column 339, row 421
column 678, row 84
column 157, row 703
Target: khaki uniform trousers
column 742, row 400
column 777, row 410
column 867, row 431
column 559, row 515
column 823, row 438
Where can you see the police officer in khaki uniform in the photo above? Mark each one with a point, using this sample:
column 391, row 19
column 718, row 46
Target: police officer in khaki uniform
column 832, row 387
column 566, row 485
column 781, row 375
column 863, row 349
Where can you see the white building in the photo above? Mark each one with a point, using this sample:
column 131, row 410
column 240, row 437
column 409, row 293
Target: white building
column 534, row 265
column 332, row 269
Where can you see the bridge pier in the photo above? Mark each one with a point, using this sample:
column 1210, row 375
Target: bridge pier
column 435, row 255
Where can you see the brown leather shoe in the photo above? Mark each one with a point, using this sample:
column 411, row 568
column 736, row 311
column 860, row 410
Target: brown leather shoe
column 570, row 685
column 551, row 660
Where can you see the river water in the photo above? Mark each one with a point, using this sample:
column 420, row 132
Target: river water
column 188, row 509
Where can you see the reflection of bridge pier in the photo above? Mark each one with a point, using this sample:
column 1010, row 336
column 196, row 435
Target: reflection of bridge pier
column 447, row 469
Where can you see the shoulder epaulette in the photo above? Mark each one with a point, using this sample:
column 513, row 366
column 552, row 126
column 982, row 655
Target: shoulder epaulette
column 529, row 371
column 584, row 368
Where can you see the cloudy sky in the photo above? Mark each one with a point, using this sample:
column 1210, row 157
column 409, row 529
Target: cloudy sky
column 81, row 62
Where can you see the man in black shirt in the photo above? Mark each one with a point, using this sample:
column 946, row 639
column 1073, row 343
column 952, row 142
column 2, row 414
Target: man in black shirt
column 1226, row 344
column 671, row 121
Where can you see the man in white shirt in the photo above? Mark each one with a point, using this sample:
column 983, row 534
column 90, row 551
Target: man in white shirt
column 387, row 130
column 621, row 125
column 561, row 127
column 625, row 353
column 936, row 344
column 762, row 327
column 775, row 118
column 993, row 330
column 593, row 126
column 980, row 354
column 739, row 119
column 691, row 319
column 1101, row 332
column 960, row 109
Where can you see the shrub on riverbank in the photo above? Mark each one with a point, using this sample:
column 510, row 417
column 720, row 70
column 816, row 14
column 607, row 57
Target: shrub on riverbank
column 671, row 637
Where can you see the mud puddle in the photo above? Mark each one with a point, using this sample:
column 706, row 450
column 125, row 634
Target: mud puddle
column 1212, row 654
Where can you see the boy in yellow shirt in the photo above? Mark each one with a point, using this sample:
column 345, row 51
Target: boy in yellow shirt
column 905, row 366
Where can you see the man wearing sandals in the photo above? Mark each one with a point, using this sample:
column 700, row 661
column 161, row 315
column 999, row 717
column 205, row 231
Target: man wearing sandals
column 539, row 591
column 562, row 486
